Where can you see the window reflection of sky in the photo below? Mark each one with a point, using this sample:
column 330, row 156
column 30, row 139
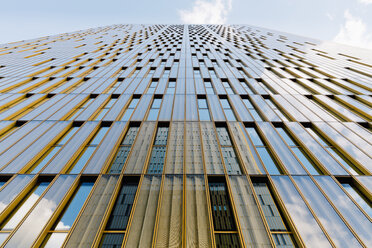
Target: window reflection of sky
column 308, row 228
column 26, row 206
column 41, row 214
column 74, row 207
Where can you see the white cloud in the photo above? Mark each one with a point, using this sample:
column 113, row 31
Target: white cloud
column 330, row 16
column 354, row 32
column 207, row 12
column 366, row 1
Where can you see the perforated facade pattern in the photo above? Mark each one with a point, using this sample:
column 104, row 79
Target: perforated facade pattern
column 184, row 136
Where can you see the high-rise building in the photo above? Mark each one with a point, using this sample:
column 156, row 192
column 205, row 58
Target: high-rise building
column 184, row 136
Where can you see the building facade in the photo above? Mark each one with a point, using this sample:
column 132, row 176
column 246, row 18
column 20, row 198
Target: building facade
column 184, row 136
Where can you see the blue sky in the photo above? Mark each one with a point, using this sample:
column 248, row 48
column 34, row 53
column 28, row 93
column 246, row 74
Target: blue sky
column 344, row 21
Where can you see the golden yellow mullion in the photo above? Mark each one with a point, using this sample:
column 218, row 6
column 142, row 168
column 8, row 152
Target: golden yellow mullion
column 77, row 56
column 40, row 71
column 33, row 55
column 44, row 49
column 27, row 49
column 80, row 46
column 68, row 62
column 184, row 220
column 42, row 62
column 227, row 232
column 5, row 53
column 6, row 130
column 113, row 231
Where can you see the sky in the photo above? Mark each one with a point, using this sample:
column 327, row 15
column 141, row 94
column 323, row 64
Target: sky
column 344, row 21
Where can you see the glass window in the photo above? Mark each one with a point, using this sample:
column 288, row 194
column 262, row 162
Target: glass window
column 154, row 110
column 333, row 151
column 68, row 216
column 227, row 87
column 53, row 240
column 156, row 163
column 52, row 151
column 362, row 201
column 252, row 109
column 45, row 159
column 128, row 112
column 280, row 113
column 119, row 217
column 112, row 240
column 23, row 207
column 328, row 217
column 263, row 151
column 208, row 87
column 105, row 109
column 41, row 213
column 347, row 208
column 88, row 151
column 80, row 109
column 299, row 152
column 82, row 160
column 202, row 103
column 12, row 189
column 281, row 234
column 227, row 109
column 225, row 104
column 254, row 136
column 228, row 152
column 99, row 136
column 123, row 151
column 307, row 226
column 223, row 216
column 203, row 110
column 268, row 161
column 171, row 87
